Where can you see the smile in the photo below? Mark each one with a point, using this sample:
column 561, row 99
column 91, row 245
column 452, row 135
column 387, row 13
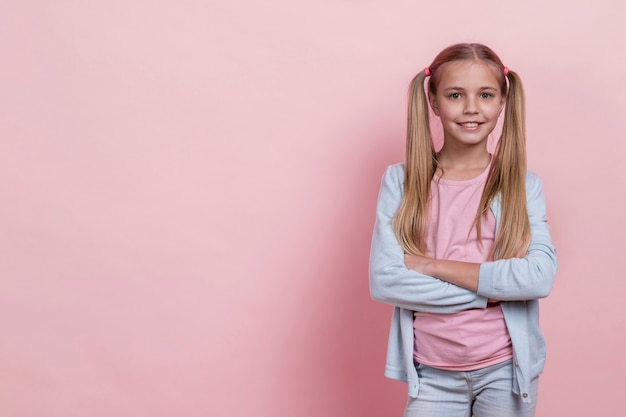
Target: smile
column 470, row 125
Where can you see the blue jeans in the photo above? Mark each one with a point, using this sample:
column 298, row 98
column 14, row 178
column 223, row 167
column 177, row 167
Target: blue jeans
column 484, row 392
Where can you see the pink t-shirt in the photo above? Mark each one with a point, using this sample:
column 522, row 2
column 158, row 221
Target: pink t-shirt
column 474, row 338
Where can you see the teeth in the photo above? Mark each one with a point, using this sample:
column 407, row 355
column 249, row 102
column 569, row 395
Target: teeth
column 470, row 124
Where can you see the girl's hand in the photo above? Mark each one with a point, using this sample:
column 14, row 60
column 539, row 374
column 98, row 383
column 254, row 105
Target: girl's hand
column 463, row 274
column 421, row 264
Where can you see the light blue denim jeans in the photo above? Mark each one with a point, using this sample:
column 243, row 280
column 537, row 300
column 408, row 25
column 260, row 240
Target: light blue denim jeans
column 484, row 392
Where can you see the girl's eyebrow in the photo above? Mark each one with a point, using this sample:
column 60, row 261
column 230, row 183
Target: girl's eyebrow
column 463, row 89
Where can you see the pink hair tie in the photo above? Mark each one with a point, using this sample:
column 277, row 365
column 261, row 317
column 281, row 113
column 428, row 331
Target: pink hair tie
column 506, row 71
column 427, row 71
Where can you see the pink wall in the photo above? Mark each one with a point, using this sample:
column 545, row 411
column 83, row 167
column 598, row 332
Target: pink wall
column 187, row 191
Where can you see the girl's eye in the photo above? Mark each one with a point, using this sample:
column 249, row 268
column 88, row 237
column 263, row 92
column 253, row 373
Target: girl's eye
column 486, row 95
column 455, row 95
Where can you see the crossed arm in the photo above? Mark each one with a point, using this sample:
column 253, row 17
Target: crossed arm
column 425, row 284
column 463, row 274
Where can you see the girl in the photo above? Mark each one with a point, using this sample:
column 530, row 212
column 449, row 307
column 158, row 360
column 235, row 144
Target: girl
column 462, row 248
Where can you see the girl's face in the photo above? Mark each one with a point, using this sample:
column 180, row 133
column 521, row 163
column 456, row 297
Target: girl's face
column 468, row 102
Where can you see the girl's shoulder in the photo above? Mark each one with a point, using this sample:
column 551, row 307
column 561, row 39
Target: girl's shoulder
column 531, row 176
column 533, row 181
column 393, row 180
column 396, row 168
column 395, row 173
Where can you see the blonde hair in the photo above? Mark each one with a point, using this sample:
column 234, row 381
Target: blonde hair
column 507, row 174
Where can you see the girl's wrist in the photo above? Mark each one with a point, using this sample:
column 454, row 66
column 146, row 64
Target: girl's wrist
column 463, row 274
column 432, row 267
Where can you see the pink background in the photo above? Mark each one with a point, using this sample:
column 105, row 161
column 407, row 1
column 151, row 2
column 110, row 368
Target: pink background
column 187, row 193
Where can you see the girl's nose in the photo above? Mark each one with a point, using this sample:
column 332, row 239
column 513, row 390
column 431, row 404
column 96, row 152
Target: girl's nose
column 470, row 106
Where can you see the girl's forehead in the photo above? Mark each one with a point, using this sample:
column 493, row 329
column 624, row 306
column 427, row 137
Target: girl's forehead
column 468, row 72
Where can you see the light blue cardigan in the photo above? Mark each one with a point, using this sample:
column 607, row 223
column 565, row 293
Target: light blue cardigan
column 517, row 282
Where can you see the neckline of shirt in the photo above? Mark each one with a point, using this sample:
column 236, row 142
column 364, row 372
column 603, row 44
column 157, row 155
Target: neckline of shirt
column 463, row 183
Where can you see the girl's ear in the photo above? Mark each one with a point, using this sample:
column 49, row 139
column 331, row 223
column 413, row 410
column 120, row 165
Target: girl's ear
column 434, row 105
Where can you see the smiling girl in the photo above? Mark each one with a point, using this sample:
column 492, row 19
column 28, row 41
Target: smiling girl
column 462, row 248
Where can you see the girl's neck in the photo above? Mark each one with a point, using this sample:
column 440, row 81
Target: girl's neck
column 463, row 164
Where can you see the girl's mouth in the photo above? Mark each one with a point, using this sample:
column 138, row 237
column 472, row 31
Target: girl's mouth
column 470, row 125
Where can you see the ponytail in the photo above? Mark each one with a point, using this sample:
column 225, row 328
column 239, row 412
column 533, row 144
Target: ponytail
column 507, row 178
column 410, row 221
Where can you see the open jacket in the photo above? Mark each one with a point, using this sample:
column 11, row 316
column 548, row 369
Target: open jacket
column 517, row 282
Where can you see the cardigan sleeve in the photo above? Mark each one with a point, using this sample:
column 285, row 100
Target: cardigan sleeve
column 390, row 280
column 531, row 277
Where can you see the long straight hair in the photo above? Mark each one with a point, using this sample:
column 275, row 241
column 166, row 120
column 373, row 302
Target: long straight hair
column 507, row 175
